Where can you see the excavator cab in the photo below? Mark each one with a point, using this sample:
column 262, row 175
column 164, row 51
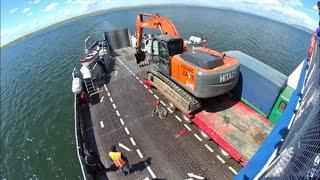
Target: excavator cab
column 168, row 46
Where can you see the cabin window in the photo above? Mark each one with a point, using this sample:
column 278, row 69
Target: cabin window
column 163, row 51
column 282, row 106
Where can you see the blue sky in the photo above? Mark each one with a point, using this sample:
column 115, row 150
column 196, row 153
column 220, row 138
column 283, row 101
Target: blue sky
column 21, row 17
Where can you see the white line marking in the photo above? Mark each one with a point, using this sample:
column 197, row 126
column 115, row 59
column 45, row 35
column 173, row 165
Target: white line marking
column 145, row 86
column 127, row 130
column 187, row 127
column 124, row 147
column 117, row 112
column 139, row 153
column 220, row 159
column 146, row 178
column 208, row 147
column 132, row 141
column 150, row 91
column 105, row 87
column 121, row 121
column 197, row 136
column 102, row 98
column 177, row 117
column 101, row 124
column 233, row 170
column 115, row 73
column 151, row 172
column 111, row 100
column 155, row 96
column 170, row 110
column 141, row 82
column 114, row 106
column 137, row 77
column 164, row 104
column 195, row 176
column 108, row 94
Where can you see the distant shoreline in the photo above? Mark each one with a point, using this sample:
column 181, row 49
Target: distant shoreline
column 140, row 6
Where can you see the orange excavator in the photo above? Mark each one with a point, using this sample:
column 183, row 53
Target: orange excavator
column 185, row 74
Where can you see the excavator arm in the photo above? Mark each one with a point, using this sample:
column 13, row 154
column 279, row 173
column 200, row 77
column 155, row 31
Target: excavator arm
column 153, row 21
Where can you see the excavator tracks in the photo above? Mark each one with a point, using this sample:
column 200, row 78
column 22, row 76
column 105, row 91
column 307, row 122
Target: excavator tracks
column 184, row 101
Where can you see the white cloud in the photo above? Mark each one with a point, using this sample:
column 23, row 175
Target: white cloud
column 25, row 10
column 29, row 14
column 36, row 1
column 293, row 2
column 293, row 15
column 50, row 6
column 13, row 10
column 315, row 7
column 30, row 2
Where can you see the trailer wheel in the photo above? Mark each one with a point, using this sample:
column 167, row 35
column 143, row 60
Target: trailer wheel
column 186, row 119
column 204, row 135
column 224, row 153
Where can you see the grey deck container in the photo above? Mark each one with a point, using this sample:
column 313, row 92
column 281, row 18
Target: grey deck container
column 259, row 84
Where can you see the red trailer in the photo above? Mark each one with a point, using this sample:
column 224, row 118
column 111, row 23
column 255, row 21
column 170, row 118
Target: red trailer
column 235, row 127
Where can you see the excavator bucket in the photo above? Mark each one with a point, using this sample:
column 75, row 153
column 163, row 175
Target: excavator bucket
column 140, row 57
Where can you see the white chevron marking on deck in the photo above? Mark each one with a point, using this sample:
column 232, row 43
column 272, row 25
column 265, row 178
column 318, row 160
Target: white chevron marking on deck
column 155, row 96
column 121, row 121
column 102, row 98
column 197, row 136
column 108, row 94
column 187, row 127
column 139, row 153
column 145, row 86
column 124, row 147
column 137, row 77
column 170, row 110
column 220, row 159
column 117, row 112
column 105, row 87
column 164, row 104
column 151, row 172
column 233, row 170
column 195, row 176
column 127, row 130
column 101, row 124
column 150, row 91
column 111, row 100
column 208, row 147
column 141, row 82
column 114, row 106
column 132, row 141
column 177, row 117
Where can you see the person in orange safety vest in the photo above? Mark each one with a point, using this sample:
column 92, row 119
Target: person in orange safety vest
column 120, row 161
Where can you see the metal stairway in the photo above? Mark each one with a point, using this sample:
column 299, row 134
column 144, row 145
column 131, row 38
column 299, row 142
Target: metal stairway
column 90, row 86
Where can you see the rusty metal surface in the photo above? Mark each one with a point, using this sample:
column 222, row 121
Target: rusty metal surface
column 235, row 122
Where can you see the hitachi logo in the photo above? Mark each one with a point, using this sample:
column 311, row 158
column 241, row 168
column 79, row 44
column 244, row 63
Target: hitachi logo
column 228, row 76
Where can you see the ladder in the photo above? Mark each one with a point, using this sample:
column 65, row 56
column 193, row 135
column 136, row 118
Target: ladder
column 90, row 86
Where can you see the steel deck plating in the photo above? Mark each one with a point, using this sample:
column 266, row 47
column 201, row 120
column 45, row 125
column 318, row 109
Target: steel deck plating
column 121, row 114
